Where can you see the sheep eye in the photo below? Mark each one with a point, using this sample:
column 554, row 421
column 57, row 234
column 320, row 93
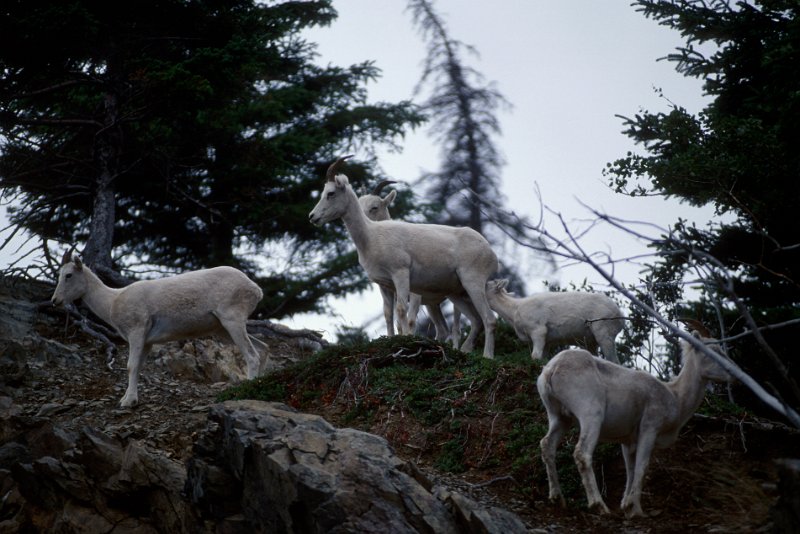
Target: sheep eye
column 373, row 209
column 330, row 195
column 69, row 275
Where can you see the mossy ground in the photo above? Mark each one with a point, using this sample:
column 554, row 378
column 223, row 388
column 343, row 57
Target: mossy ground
column 480, row 418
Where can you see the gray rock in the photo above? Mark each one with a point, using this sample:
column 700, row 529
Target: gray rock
column 294, row 472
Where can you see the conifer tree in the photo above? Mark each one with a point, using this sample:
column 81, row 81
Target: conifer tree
column 739, row 154
column 463, row 116
column 182, row 134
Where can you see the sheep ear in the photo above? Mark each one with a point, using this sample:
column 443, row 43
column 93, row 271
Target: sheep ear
column 67, row 257
column 341, row 181
column 389, row 198
column 503, row 283
column 78, row 263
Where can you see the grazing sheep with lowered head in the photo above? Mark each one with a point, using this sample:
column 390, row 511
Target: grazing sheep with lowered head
column 586, row 319
column 189, row 305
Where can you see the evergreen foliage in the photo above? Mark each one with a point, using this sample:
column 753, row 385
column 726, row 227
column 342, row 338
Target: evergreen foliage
column 185, row 134
column 739, row 154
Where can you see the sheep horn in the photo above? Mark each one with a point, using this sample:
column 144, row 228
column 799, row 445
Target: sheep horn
column 381, row 185
column 331, row 174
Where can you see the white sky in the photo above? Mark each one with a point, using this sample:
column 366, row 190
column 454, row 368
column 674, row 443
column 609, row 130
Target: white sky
column 567, row 67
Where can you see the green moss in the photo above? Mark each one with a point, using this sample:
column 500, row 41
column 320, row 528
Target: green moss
column 451, row 458
column 466, row 411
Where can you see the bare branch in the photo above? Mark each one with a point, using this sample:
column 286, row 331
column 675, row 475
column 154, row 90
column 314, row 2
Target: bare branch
column 570, row 247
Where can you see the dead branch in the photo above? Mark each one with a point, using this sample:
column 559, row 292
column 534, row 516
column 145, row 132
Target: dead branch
column 570, row 247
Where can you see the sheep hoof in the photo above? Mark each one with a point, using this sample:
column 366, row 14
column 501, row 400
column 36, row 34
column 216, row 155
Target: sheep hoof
column 599, row 507
column 126, row 402
column 634, row 512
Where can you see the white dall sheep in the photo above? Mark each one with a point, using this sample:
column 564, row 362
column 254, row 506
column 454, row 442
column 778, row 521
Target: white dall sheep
column 432, row 260
column 620, row 405
column 189, row 305
column 586, row 319
column 377, row 209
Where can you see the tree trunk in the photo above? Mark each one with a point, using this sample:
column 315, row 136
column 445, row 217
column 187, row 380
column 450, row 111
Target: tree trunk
column 97, row 253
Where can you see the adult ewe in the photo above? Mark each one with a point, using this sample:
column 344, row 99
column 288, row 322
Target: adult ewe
column 616, row 404
column 189, row 305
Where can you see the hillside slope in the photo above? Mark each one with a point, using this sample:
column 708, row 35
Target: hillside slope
column 470, row 424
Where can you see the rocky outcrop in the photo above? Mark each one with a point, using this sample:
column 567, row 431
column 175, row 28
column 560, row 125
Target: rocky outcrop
column 56, row 480
column 257, row 467
column 72, row 461
column 265, row 467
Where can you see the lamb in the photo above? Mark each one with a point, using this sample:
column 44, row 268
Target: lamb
column 192, row 304
column 586, row 319
column 616, row 404
column 432, row 260
column 377, row 209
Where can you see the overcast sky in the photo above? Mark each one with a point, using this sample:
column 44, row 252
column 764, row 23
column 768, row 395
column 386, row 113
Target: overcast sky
column 568, row 68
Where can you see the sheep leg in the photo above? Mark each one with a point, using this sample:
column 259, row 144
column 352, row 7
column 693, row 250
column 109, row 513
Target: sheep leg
column 538, row 337
column 137, row 350
column 608, row 347
column 414, row 302
column 629, row 455
column 631, row 501
column 475, row 284
column 463, row 304
column 439, row 323
column 388, row 309
column 237, row 330
column 455, row 330
column 548, row 445
column 263, row 346
column 584, row 449
column 402, row 293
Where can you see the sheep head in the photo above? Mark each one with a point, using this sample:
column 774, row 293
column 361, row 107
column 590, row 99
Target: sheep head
column 375, row 207
column 72, row 282
column 332, row 202
column 710, row 369
column 497, row 287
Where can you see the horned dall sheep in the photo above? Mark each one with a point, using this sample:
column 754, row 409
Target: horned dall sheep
column 432, row 260
column 189, row 305
column 612, row 403
column 377, row 209
column 573, row 317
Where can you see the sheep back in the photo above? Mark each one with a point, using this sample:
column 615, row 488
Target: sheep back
column 433, row 254
column 579, row 383
column 567, row 315
column 185, row 305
